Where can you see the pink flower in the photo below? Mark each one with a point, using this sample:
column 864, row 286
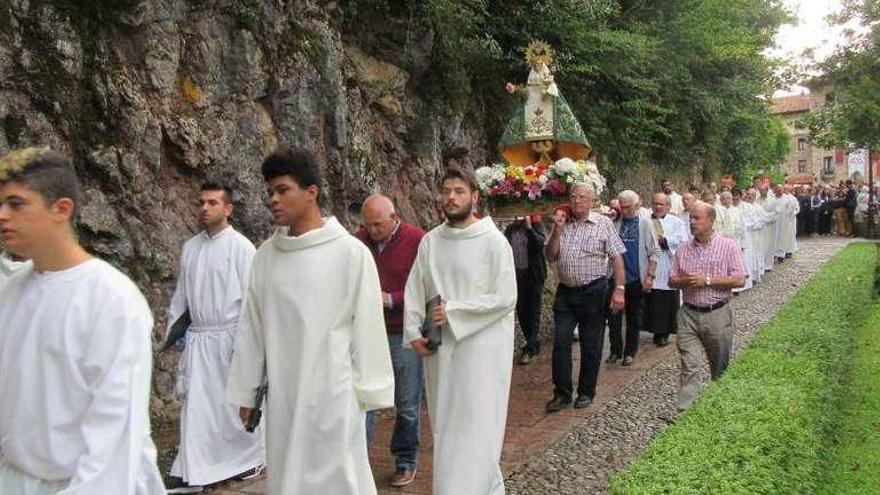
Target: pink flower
column 555, row 187
column 510, row 87
column 505, row 187
column 534, row 190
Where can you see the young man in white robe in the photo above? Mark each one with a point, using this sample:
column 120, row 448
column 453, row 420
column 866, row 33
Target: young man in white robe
column 468, row 263
column 214, row 273
column 313, row 320
column 75, row 348
column 675, row 200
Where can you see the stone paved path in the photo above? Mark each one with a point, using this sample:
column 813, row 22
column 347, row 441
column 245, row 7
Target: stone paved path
column 577, row 451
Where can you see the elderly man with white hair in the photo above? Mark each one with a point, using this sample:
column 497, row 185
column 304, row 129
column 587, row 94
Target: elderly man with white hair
column 640, row 266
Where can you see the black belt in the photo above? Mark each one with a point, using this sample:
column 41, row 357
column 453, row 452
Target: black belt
column 706, row 309
column 593, row 283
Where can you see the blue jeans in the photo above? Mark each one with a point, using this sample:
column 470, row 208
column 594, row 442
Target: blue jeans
column 408, row 385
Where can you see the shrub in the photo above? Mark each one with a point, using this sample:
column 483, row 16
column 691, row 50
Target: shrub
column 766, row 426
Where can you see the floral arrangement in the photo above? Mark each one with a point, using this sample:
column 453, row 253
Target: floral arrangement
column 503, row 183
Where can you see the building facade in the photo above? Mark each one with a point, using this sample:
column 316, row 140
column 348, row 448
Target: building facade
column 807, row 163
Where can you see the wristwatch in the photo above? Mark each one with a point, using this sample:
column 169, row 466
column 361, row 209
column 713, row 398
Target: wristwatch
column 620, row 287
column 708, row 281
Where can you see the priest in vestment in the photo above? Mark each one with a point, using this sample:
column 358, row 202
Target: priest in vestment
column 767, row 200
column 753, row 222
column 75, row 348
column 787, row 208
column 312, row 323
column 469, row 264
column 729, row 223
column 214, row 273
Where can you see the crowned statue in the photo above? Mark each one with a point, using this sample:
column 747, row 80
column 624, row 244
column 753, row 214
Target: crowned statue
column 543, row 145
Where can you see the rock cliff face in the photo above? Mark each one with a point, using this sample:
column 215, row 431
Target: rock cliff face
column 151, row 97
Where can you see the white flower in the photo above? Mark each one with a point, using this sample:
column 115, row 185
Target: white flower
column 542, row 179
column 564, row 166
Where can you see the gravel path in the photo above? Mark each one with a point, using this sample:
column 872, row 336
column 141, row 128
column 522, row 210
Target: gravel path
column 584, row 460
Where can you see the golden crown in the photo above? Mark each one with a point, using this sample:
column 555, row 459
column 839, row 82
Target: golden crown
column 539, row 52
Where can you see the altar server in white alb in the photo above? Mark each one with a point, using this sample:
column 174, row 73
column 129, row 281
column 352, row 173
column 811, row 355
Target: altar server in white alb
column 767, row 200
column 787, row 208
column 214, row 272
column 75, row 348
column 313, row 319
column 469, row 264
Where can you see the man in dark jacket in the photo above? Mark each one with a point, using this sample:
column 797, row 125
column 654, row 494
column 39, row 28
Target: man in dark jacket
column 526, row 237
column 394, row 245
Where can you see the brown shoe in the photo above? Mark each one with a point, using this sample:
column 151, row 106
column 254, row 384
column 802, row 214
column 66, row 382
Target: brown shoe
column 403, row 477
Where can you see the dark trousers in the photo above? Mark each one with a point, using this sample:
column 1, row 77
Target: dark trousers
column 584, row 307
column 634, row 305
column 661, row 309
column 528, row 310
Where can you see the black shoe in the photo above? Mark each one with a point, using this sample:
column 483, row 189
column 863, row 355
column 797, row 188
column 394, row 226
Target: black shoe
column 525, row 358
column 582, row 401
column 627, row 361
column 662, row 342
column 612, row 359
column 558, row 403
column 177, row 485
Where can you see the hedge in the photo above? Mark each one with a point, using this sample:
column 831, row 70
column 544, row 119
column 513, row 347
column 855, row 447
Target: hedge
column 766, row 426
column 855, row 461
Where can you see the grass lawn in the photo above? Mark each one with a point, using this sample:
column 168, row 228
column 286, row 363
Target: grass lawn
column 855, row 460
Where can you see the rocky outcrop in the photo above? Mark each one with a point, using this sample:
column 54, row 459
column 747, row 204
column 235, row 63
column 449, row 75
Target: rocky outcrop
column 151, row 97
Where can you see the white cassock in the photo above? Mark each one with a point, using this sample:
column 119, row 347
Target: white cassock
column 313, row 316
column 685, row 218
column 214, row 273
column 76, row 355
column 753, row 222
column 8, row 266
column 676, row 233
column 468, row 379
column 787, row 208
column 676, row 207
column 768, row 235
column 729, row 223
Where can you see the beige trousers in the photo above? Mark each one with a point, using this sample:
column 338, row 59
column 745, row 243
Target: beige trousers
column 698, row 332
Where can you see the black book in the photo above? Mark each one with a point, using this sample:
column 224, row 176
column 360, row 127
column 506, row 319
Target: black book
column 178, row 330
column 430, row 330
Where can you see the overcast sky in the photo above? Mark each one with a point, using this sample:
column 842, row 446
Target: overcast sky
column 812, row 32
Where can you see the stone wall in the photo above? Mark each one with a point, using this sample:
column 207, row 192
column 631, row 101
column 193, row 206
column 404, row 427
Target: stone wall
column 152, row 97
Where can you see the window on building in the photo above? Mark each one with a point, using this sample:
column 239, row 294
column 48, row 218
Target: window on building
column 802, row 144
column 828, row 165
column 802, row 166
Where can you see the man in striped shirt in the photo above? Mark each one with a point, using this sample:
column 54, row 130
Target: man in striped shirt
column 581, row 248
column 706, row 269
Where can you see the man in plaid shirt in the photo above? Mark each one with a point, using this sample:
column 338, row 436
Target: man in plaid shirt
column 581, row 247
column 706, row 269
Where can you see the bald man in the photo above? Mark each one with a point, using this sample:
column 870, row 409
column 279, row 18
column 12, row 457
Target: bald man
column 394, row 245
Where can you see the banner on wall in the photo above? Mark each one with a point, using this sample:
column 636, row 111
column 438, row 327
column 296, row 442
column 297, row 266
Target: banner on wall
column 857, row 162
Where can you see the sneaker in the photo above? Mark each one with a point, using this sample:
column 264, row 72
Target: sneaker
column 177, row 485
column 403, row 477
column 557, row 403
column 525, row 358
column 613, row 358
column 582, row 401
column 627, row 361
column 251, row 473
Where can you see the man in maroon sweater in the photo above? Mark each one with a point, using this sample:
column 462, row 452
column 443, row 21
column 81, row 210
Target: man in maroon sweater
column 394, row 245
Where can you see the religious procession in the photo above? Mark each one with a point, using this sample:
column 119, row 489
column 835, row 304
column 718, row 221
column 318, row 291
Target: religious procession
column 291, row 327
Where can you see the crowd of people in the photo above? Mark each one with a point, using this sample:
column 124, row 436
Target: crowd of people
column 333, row 326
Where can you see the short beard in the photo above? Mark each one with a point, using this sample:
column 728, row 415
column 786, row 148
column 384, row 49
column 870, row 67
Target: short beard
column 454, row 218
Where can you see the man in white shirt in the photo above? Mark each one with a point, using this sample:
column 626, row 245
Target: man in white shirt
column 9, row 264
column 214, row 272
column 676, row 201
column 75, row 348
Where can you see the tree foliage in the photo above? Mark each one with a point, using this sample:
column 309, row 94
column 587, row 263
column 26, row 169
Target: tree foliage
column 676, row 83
column 852, row 116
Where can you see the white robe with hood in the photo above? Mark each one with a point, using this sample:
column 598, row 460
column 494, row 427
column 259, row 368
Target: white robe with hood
column 313, row 316
column 468, row 379
column 214, row 273
column 76, row 359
